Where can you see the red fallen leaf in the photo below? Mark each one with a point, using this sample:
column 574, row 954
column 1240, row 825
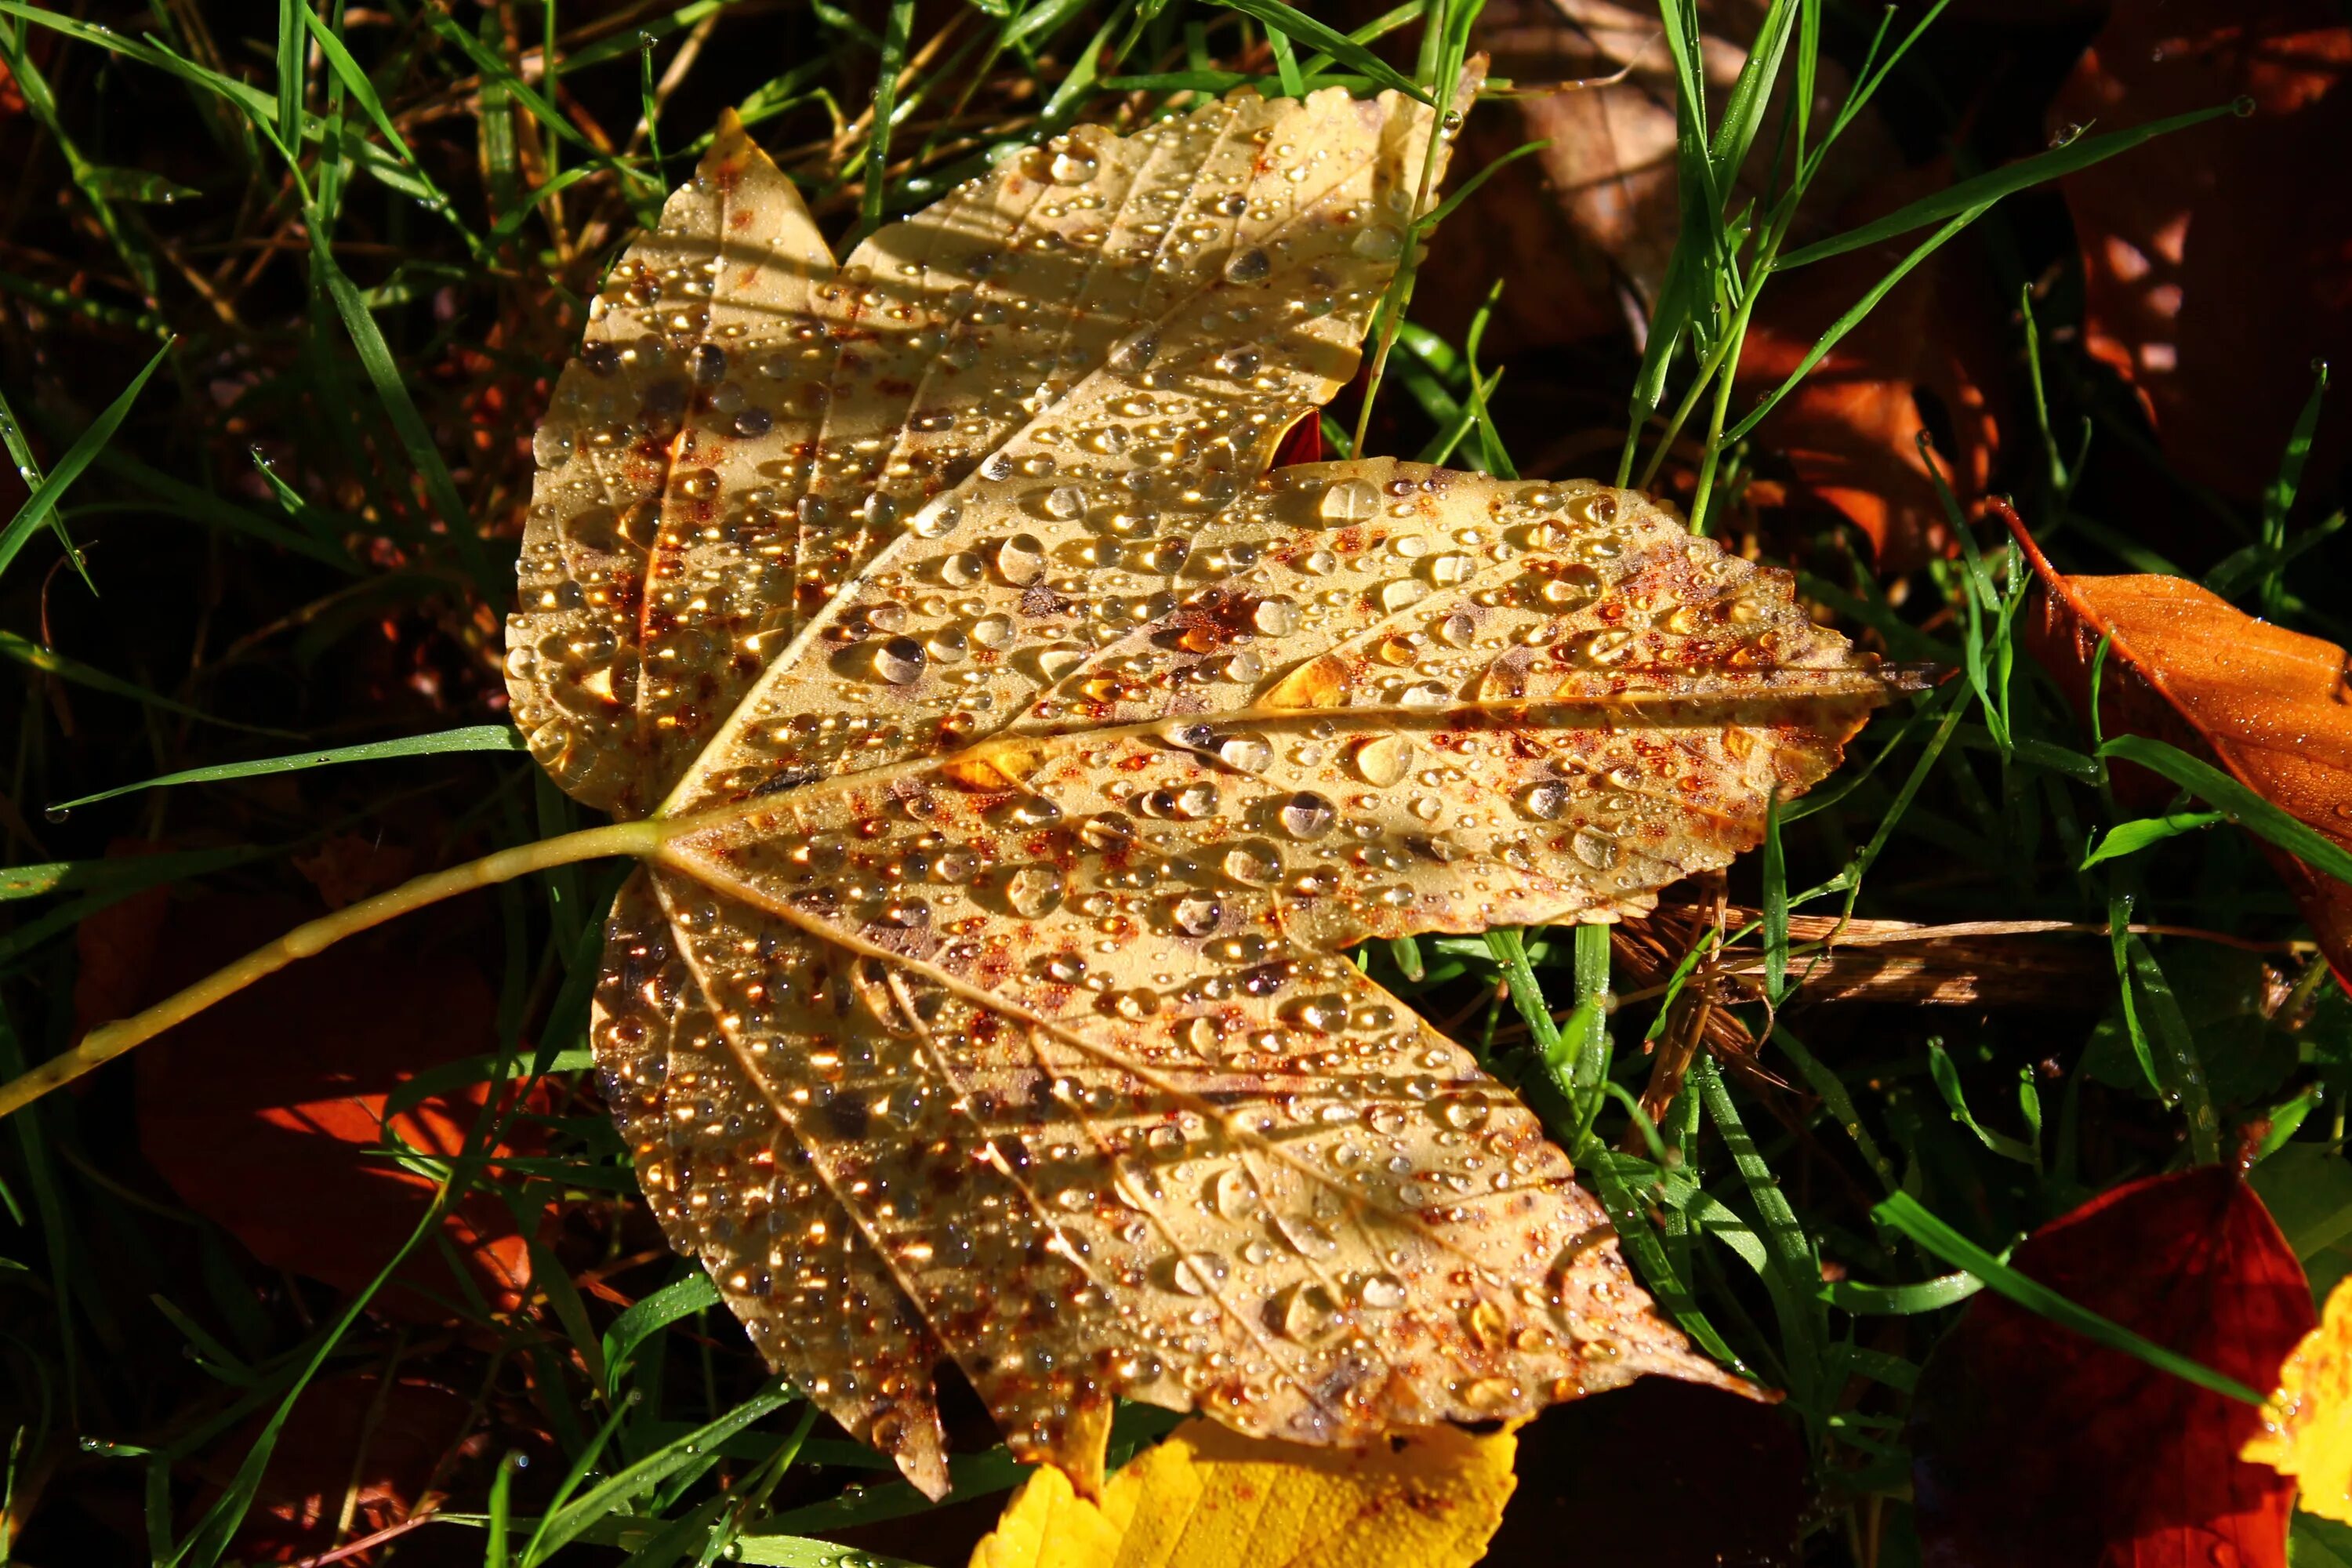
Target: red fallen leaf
column 1849, row 434
column 259, row 1111
column 2188, row 668
column 2211, row 287
column 2034, row 1448
column 1302, row 443
column 348, row 1438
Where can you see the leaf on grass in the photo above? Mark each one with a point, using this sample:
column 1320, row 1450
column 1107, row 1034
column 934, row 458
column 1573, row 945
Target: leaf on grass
column 2306, row 1424
column 1031, row 754
column 260, row 1112
column 2188, row 668
column 2212, row 290
column 2033, row 1446
column 1206, row 1498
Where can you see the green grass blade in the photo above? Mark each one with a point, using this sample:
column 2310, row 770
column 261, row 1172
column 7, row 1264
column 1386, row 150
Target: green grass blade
column 1985, row 189
column 1301, row 28
column 896, row 32
column 1852, row 318
column 2235, row 801
column 41, row 506
column 472, row 738
column 1904, row 1213
column 560, row 1527
column 392, row 390
column 2131, row 837
column 680, row 1298
column 49, row 662
column 1901, row 1300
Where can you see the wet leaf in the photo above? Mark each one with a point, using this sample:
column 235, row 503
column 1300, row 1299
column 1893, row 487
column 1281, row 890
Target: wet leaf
column 1206, row 1498
column 2033, row 1446
column 1027, row 756
column 2186, row 668
column 2306, row 1426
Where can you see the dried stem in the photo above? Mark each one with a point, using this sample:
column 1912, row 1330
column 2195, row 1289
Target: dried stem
column 102, row 1045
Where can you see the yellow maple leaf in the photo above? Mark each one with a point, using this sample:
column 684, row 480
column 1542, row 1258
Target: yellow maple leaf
column 1208, row 1496
column 2307, row 1421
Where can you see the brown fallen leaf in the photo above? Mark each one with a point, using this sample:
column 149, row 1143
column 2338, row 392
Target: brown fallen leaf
column 2188, row 668
column 1929, row 360
column 1208, row 1499
column 2211, row 290
column 1021, row 754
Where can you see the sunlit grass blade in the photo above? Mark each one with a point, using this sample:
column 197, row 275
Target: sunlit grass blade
column 1901, row 1300
column 2241, row 804
column 1301, row 28
column 1983, row 190
column 41, row 506
column 650, row 1315
column 2131, row 837
column 1904, row 1213
column 1851, row 317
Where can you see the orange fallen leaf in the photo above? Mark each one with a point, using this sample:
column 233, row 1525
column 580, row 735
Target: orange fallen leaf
column 2307, row 1423
column 2188, row 668
column 1207, row 1497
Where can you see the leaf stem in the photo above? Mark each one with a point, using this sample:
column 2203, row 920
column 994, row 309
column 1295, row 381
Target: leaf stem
column 640, row 840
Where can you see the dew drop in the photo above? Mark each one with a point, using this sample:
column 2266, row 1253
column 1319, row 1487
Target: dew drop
column 1381, row 1292
column 1544, row 800
column 1594, row 847
column 1254, row 864
column 899, row 661
column 1382, row 760
column 1246, row 754
column 1381, row 242
column 1307, row 815
column 1198, row 1273
column 1033, row 890
column 1065, row 501
column 1021, row 560
column 1349, row 501
column 1249, row 266
column 1234, row 1195
column 1195, row 914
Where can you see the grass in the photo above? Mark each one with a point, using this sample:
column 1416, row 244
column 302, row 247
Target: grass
column 313, row 268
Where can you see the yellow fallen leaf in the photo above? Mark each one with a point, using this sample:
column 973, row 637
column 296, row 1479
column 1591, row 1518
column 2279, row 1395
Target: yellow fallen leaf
column 2307, row 1423
column 1208, row 1497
